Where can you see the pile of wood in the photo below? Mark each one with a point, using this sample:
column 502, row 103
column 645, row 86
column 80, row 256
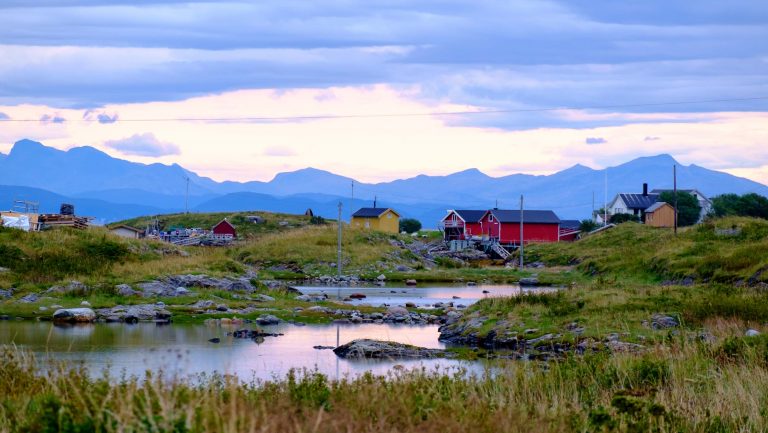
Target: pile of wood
column 59, row 220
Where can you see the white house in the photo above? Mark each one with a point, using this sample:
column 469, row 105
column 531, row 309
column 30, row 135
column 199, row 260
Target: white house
column 637, row 204
column 127, row 232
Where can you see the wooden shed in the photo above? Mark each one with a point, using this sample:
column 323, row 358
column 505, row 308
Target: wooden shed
column 224, row 230
column 127, row 232
column 660, row 214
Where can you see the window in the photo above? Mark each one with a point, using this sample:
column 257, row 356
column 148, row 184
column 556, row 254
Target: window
column 490, row 217
column 389, row 215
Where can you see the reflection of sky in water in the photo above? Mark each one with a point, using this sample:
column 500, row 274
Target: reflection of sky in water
column 185, row 350
column 421, row 295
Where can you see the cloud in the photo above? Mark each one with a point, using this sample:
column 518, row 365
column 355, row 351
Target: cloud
column 4, row 116
column 595, row 140
column 143, row 145
column 279, row 151
column 55, row 118
column 651, row 138
column 106, row 118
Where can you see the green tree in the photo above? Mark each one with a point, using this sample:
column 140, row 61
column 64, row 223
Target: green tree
column 586, row 226
column 725, row 205
column 754, row 205
column 410, row 225
column 688, row 207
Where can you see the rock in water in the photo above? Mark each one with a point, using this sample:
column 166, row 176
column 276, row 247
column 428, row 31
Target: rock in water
column 74, row 315
column 365, row 348
column 530, row 281
column 267, row 320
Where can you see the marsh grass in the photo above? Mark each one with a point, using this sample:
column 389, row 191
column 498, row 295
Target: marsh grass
column 685, row 387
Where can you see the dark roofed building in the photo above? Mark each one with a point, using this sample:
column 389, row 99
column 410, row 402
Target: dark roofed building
column 462, row 224
column 504, row 226
column 377, row 218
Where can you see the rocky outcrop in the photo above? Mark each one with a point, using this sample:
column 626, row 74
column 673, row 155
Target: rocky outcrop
column 365, row 348
column 134, row 313
column 178, row 285
column 71, row 288
column 6, row 294
column 74, row 315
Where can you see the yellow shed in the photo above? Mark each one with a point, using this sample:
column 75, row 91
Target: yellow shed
column 377, row 218
column 660, row 214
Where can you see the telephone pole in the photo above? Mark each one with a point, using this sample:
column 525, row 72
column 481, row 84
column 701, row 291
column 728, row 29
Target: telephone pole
column 521, row 232
column 674, row 181
column 186, row 198
column 338, row 245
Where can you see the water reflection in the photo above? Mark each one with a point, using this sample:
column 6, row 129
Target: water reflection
column 184, row 350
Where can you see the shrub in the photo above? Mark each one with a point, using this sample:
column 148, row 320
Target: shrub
column 410, row 225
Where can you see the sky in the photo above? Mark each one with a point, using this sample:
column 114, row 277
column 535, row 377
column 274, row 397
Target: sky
column 379, row 90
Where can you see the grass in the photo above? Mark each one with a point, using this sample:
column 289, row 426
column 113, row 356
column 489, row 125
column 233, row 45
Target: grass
column 647, row 254
column 686, row 387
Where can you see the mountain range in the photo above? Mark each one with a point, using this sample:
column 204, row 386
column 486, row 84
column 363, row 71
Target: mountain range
column 111, row 189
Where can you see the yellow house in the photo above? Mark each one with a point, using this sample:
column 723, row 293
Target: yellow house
column 377, row 218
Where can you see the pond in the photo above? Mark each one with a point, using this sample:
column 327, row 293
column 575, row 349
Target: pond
column 423, row 296
column 184, row 350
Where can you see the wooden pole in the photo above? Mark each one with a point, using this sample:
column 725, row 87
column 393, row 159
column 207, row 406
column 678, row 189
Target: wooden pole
column 338, row 245
column 674, row 180
column 521, row 232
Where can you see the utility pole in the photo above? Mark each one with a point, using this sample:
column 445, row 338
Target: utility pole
column 605, row 200
column 186, row 198
column 674, row 182
column 521, row 232
column 338, row 245
column 593, row 206
column 352, row 202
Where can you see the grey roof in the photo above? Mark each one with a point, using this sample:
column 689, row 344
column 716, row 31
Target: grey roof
column 370, row 212
column 656, row 206
column 639, row 201
column 469, row 215
column 570, row 224
column 529, row 216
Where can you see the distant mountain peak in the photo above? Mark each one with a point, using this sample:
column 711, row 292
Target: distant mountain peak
column 469, row 172
column 26, row 145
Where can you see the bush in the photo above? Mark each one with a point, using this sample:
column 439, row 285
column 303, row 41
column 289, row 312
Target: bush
column 688, row 207
column 586, row 226
column 410, row 225
column 622, row 218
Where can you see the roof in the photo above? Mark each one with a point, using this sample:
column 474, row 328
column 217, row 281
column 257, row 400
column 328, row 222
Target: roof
column 656, row 206
column 638, row 201
column 372, row 212
column 470, row 215
column 570, row 224
column 224, row 221
column 529, row 216
column 123, row 226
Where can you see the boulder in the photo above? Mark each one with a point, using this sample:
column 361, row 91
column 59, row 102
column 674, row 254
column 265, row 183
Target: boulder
column 311, row 298
column 222, row 307
column 397, row 311
column 125, row 290
column 30, row 298
column 203, row 304
column 662, row 321
column 410, row 305
column 85, row 304
column 357, row 296
column 752, row 333
column 410, row 282
column 366, row 348
column 381, row 277
column 5, row 294
column 267, row 319
column 182, row 291
column 263, row 298
column 74, row 315
column 529, row 281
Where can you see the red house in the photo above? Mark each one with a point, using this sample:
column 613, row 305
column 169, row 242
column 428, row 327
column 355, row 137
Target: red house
column 503, row 226
column 462, row 224
column 224, row 230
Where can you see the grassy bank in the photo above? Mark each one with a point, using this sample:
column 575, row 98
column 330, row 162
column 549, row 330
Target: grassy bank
column 685, row 387
column 728, row 250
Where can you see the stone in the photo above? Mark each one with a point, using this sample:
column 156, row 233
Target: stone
column 267, row 319
column 662, row 321
column 366, row 348
column 529, row 281
column 181, row 291
column 471, row 283
column 203, row 304
column 752, row 333
column 410, row 282
column 397, row 311
column 311, row 298
column 5, row 294
column 215, row 340
column 222, row 307
column 85, row 304
column 357, row 296
column 486, row 292
column 323, row 347
column 30, row 298
column 624, row 347
column 74, row 315
column 125, row 290
column 410, row 305
column 612, row 337
column 382, row 277
column 43, row 308
column 403, row 268
column 163, row 316
column 263, row 298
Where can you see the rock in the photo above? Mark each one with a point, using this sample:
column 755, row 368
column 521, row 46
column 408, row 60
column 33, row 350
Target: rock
column 222, row 307
column 30, row 298
column 410, row 282
column 529, row 281
column 112, row 319
column 267, row 319
column 163, row 316
column 5, row 317
column 365, row 348
column 74, row 315
column 397, row 311
column 203, row 304
column 531, row 331
column 543, row 338
column 410, row 305
column 125, row 290
column 311, row 298
column 43, row 308
column 263, row 298
column 403, row 268
column 357, row 296
column 5, row 294
column 456, row 297
column 215, row 340
column 471, row 283
column 661, row 321
column 85, row 304
column 323, row 347
column 486, row 292
column 752, row 333
column 381, row 277
column 623, row 347
column 612, row 337
column 182, row 291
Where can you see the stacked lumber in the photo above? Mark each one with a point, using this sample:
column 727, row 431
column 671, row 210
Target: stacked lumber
column 59, row 220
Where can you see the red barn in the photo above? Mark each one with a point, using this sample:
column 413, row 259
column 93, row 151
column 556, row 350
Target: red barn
column 462, row 224
column 224, row 230
column 504, row 226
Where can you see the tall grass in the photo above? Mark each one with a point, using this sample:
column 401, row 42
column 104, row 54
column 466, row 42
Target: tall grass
column 687, row 388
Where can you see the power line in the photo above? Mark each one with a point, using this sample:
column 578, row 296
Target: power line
column 387, row 115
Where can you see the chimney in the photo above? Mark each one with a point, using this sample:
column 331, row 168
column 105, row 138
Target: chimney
column 645, row 190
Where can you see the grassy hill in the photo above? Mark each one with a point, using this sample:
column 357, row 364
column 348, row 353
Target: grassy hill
column 729, row 250
column 271, row 222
